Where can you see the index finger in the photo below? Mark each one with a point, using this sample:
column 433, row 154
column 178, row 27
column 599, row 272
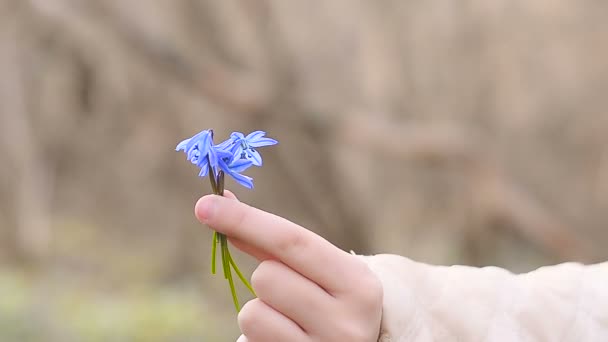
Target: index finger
column 304, row 251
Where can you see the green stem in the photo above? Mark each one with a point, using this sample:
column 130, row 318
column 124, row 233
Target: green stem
column 214, row 245
column 220, row 183
column 213, row 252
column 225, row 264
column 228, row 274
column 212, row 180
column 217, row 185
column 243, row 279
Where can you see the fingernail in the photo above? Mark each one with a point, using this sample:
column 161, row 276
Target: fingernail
column 205, row 207
column 242, row 339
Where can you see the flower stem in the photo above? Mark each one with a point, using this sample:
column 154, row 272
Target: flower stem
column 213, row 181
column 228, row 274
column 215, row 239
column 217, row 185
column 213, row 252
column 225, row 264
column 243, row 279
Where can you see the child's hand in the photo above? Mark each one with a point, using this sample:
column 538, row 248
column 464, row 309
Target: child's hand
column 308, row 289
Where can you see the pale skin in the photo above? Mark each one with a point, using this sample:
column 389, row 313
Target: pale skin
column 308, row 289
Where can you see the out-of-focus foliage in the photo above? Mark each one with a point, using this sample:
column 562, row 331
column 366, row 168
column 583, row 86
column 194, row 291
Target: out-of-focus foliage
column 451, row 132
column 59, row 311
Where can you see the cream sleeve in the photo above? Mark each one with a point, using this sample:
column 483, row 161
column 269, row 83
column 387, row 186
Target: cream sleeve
column 567, row 302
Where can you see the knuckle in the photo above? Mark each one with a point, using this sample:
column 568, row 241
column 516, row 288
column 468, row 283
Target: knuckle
column 241, row 216
column 352, row 331
column 374, row 293
column 370, row 291
column 291, row 243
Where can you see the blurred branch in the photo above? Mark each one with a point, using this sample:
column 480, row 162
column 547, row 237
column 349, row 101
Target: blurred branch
column 316, row 183
column 493, row 192
column 502, row 199
column 91, row 22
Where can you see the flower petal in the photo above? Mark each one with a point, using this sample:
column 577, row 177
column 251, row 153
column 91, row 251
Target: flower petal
column 195, row 157
column 182, row 145
column 193, row 153
column 237, row 136
column 240, row 165
column 205, row 144
column 225, row 145
column 255, row 157
column 263, row 142
column 213, row 159
column 255, row 135
column 221, row 153
column 204, row 168
column 241, row 179
column 237, row 153
column 203, row 138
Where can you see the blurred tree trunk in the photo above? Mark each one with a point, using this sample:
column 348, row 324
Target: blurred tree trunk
column 33, row 184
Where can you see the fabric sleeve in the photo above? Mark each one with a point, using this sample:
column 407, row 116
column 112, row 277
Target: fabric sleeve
column 566, row 302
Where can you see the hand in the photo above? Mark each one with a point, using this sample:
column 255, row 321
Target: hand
column 308, row 289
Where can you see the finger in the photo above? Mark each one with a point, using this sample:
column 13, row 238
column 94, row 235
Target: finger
column 242, row 338
column 249, row 249
column 292, row 294
column 244, row 247
column 261, row 323
column 300, row 249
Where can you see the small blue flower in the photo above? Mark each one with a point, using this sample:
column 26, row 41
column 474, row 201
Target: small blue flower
column 232, row 156
column 244, row 147
column 197, row 148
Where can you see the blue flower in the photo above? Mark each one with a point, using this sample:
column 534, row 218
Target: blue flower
column 232, row 156
column 244, row 147
column 197, row 148
column 200, row 151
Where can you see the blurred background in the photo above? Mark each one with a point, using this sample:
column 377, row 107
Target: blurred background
column 470, row 132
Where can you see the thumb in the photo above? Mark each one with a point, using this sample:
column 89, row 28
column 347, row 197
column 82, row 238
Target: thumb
column 230, row 194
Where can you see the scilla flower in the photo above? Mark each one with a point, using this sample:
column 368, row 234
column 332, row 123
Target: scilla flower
column 197, row 147
column 244, row 147
column 230, row 157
